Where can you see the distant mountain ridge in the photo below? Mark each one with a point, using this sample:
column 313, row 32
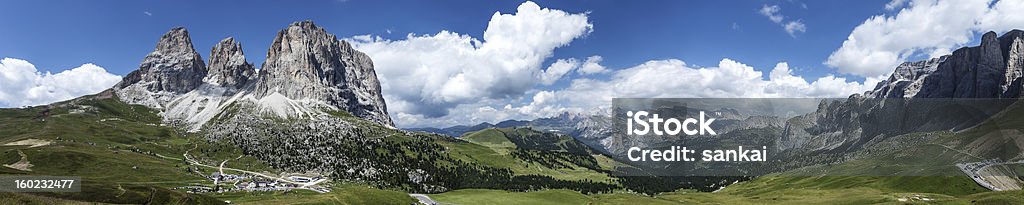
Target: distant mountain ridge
column 990, row 70
column 590, row 128
column 307, row 71
column 562, row 120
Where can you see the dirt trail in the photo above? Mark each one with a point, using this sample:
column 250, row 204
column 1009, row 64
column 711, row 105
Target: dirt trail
column 32, row 143
column 22, row 164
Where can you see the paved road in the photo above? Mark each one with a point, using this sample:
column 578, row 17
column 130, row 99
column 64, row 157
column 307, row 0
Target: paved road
column 981, row 180
column 303, row 185
column 424, row 199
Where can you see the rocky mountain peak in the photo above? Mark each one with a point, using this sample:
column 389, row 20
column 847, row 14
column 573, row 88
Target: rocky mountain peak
column 990, row 37
column 175, row 41
column 305, row 62
column 228, row 67
column 174, row 67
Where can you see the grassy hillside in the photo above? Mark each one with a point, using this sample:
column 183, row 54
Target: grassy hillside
column 99, row 139
column 765, row 190
column 124, row 155
column 483, row 196
column 911, row 168
column 492, row 138
column 527, row 151
column 343, row 194
column 850, row 190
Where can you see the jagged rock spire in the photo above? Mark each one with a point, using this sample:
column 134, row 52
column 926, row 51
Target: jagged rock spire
column 173, row 66
column 228, row 67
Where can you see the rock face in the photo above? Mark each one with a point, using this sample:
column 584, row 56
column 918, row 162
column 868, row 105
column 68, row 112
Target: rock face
column 918, row 98
column 228, row 67
column 307, row 63
column 906, row 81
column 306, row 69
column 1013, row 51
column 990, row 70
column 174, row 67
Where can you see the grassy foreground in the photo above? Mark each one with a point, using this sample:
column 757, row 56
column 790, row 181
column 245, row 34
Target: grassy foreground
column 126, row 156
column 770, row 190
column 342, row 194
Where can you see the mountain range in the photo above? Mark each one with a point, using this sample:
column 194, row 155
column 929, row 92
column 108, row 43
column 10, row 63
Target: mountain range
column 315, row 106
column 307, row 71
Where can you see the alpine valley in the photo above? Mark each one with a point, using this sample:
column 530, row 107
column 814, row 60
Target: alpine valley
column 310, row 126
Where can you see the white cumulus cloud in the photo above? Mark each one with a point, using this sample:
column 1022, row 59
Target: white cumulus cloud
column 674, row 78
column 557, row 69
column 21, row 84
column 774, row 13
column 795, row 26
column 669, row 78
column 895, row 4
column 592, row 65
column 431, row 74
column 925, row 27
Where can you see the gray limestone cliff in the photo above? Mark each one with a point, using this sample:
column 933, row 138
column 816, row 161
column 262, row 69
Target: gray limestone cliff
column 174, row 67
column 228, row 67
column 918, row 97
column 307, row 63
column 990, row 70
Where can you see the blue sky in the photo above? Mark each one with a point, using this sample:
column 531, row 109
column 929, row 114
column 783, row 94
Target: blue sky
column 439, row 67
column 56, row 35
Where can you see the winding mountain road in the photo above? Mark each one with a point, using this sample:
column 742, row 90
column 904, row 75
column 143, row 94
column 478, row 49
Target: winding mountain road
column 222, row 168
